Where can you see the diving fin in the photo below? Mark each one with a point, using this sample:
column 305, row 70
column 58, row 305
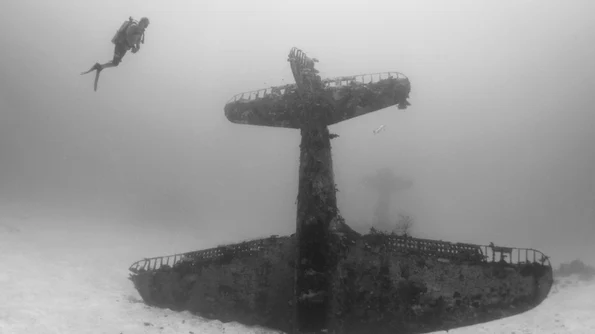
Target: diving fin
column 96, row 80
column 97, row 66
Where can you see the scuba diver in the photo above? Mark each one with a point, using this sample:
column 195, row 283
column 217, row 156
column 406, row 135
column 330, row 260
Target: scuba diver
column 129, row 37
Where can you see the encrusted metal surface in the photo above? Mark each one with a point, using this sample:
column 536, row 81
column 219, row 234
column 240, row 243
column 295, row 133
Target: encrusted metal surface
column 386, row 284
column 432, row 248
column 243, row 249
column 330, row 83
column 351, row 96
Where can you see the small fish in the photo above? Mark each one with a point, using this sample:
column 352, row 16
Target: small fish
column 380, row 128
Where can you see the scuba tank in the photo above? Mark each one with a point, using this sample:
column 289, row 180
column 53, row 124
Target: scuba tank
column 122, row 30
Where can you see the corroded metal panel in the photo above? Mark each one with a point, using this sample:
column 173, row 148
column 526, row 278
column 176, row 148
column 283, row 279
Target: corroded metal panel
column 349, row 97
column 387, row 284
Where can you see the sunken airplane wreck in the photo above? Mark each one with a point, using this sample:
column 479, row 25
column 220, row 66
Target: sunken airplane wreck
column 327, row 278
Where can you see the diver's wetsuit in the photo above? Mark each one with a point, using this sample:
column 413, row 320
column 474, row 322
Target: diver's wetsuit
column 120, row 49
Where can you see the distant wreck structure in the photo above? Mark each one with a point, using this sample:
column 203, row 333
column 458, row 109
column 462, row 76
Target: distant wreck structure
column 327, row 278
column 385, row 183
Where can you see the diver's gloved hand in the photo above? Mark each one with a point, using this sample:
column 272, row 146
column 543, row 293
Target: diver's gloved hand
column 134, row 50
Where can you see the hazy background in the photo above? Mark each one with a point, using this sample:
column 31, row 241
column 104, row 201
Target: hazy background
column 498, row 139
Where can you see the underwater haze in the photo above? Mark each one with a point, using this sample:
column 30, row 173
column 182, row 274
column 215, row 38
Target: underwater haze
column 498, row 141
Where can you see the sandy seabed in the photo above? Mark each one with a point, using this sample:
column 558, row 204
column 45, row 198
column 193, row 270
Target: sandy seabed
column 68, row 278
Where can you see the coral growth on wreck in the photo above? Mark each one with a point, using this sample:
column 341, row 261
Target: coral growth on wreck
column 384, row 282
